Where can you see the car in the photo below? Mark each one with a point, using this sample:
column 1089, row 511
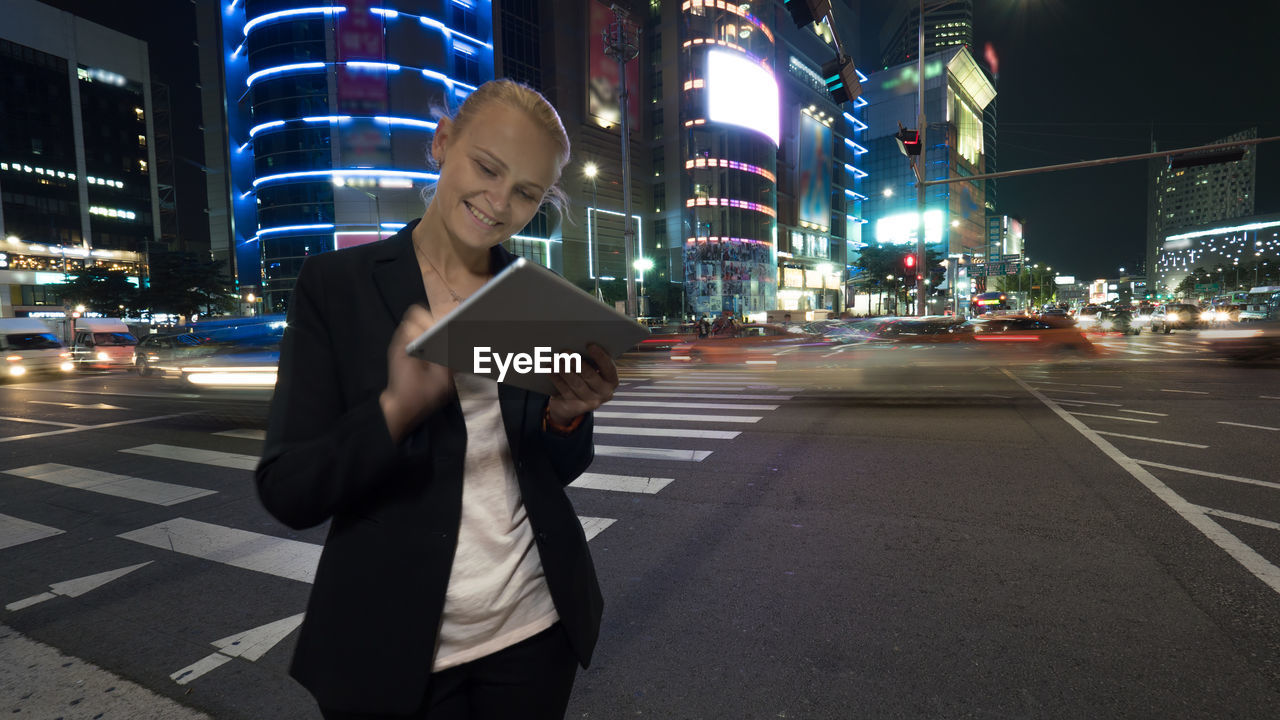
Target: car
column 664, row 337
column 751, row 344
column 29, row 347
column 1251, row 342
column 1088, row 316
column 1056, row 335
column 1119, row 321
column 1175, row 316
column 162, row 354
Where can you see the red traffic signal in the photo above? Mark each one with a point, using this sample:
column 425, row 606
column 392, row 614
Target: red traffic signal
column 909, row 261
column 908, row 142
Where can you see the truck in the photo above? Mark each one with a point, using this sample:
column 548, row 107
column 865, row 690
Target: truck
column 29, row 346
column 101, row 343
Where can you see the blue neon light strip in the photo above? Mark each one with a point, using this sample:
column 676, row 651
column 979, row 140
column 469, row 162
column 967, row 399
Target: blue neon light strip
column 854, row 195
column 855, row 219
column 368, row 65
column 296, row 67
column 294, row 228
column 362, row 172
column 856, row 172
column 861, row 77
column 857, row 124
column 857, row 149
column 860, row 102
column 384, row 119
column 431, row 22
column 282, row 14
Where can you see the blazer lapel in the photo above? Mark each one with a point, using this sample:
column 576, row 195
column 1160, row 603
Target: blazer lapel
column 397, row 276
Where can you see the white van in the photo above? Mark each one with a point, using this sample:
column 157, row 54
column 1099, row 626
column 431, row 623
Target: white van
column 28, row 346
column 103, row 343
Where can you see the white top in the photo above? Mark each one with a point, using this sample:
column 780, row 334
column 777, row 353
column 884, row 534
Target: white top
column 497, row 594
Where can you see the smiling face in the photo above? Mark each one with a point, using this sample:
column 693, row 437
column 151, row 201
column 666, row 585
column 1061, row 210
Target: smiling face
column 494, row 174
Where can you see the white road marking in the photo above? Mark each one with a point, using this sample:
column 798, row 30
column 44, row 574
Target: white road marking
column 1240, row 518
column 76, row 587
column 700, row 382
column 93, row 427
column 1046, row 382
column 290, row 559
column 1193, row 514
column 1084, row 402
column 677, row 417
column 16, row 531
column 691, row 406
column 1256, row 427
column 196, row 455
column 1154, row 440
column 131, row 488
column 643, row 453
column 250, row 645
column 1206, row 473
column 1270, row 397
column 714, row 396
column 666, row 432
column 1188, row 392
column 1144, row 412
column 621, row 483
column 593, row 526
column 1073, row 392
column 79, row 406
column 1116, row 417
column 42, row 422
column 248, row 434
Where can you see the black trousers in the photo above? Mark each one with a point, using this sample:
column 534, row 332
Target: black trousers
column 530, row 680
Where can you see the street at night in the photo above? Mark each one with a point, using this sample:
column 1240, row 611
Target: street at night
column 1080, row 538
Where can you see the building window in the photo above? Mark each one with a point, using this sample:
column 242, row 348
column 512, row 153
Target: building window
column 659, row 197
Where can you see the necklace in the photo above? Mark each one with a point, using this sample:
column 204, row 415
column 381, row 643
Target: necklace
column 456, row 298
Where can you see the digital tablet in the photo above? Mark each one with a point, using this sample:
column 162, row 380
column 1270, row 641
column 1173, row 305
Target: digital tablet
column 524, row 325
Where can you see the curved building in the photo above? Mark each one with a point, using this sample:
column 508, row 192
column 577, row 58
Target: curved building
column 330, row 117
column 729, row 123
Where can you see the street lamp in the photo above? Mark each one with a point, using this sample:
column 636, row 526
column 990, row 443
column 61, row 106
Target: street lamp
column 591, row 171
column 893, row 294
column 642, row 265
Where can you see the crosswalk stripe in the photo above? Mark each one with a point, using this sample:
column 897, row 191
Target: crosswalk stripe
column 16, row 531
column 718, row 396
column 666, row 432
column 643, row 453
column 620, row 483
column 699, row 382
column 676, row 417
column 196, row 455
column 105, row 483
column 247, row 433
column 290, row 559
column 691, row 406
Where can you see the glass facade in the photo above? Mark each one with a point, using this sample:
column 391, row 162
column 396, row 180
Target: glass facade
column 332, row 113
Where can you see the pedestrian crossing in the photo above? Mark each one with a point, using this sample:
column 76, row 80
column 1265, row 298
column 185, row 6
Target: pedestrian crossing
column 650, row 421
column 1153, row 347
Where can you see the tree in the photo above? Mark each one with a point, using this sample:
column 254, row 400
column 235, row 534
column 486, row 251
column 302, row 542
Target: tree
column 101, row 290
column 183, row 283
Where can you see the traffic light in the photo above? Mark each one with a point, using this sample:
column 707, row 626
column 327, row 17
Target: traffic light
column 842, row 80
column 807, row 12
column 909, row 262
column 1222, row 156
column 909, row 277
column 908, row 142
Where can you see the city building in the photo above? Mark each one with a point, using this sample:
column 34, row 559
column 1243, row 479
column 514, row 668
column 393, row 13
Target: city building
column 77, row 155
column 330, row 119
column 1236, row 253
column 946, row 27
column 1181, row 199
column 956, row 92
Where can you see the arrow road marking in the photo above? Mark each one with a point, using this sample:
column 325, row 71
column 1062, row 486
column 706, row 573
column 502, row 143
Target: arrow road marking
column 78, row 406
column 250, row 645
column 76, row 587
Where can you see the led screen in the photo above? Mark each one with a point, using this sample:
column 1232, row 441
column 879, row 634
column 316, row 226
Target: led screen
column 901, row 229
column 815, row 172
column 741, row 92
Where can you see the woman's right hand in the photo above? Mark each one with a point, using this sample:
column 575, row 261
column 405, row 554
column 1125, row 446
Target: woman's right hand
column 415, row 388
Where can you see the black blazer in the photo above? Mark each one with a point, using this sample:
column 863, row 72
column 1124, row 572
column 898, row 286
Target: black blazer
column 368, row 639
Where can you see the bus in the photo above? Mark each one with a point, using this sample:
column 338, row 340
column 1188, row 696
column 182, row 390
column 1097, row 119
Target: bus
column 1262, row 303
column 989, row 302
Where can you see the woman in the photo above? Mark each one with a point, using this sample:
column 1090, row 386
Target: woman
column 455, row 581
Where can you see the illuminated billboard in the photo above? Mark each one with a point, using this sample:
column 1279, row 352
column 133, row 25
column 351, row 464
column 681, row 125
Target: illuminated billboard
column 742, row 92
column 603, row 82
column 815, row 172
column 900, row 229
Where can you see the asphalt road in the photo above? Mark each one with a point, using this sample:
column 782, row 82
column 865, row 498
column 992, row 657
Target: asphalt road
column 916, row 537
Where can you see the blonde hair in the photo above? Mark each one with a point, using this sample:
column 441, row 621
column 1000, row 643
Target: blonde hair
column 520, row 97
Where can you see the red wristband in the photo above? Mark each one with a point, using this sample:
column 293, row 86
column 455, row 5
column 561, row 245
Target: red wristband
column 552, row 425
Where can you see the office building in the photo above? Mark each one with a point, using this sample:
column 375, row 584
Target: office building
column 77, row 155
column 1234, row 253
column 1195, row 197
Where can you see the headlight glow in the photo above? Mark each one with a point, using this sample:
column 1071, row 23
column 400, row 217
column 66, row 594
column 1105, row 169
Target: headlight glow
column 104, row 357
column 1107, row 324
column 16, row 370
column 1171, row 317
column 67, row 366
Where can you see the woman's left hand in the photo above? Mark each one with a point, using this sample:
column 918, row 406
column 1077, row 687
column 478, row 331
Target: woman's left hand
column 583, row 392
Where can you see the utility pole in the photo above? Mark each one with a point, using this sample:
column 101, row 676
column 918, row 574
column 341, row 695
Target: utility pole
column 622, row 42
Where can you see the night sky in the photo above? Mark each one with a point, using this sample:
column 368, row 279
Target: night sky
column 1087, row 79
column 1079, row 80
